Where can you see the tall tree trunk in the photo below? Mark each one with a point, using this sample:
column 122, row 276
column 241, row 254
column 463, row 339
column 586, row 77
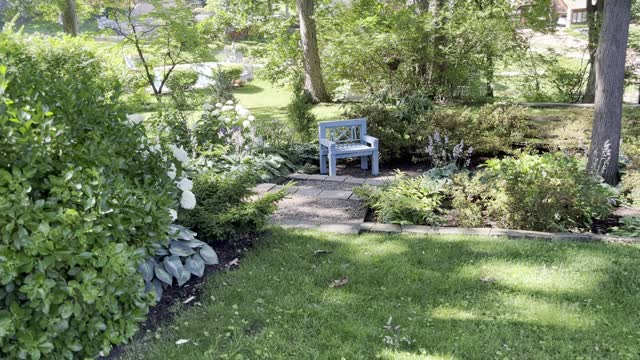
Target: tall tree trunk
column 594, row 22
column 313, row 81
column 610, row 63
column 70, row 18
column 440, row 43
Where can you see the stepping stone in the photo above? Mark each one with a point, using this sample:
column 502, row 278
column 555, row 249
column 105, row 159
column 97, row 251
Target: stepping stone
column 374, row 182
column 308, row 192
column 355, row 197
column 336, row 178
column 335, row 194
column 340, row 228
column 298, row 176
column 317, row 177
column 353, row 180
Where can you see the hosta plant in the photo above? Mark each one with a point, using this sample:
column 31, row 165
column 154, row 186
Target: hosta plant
column 179, row 259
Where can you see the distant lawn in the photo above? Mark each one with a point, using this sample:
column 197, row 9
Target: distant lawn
column 412, row 298
column 267, row 101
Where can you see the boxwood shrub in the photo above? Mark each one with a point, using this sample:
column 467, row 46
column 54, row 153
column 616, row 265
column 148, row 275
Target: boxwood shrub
column 82, row 194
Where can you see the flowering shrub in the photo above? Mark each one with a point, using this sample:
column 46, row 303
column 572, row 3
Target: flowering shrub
column 441, row 153
column 83, row 195
column 229, row 126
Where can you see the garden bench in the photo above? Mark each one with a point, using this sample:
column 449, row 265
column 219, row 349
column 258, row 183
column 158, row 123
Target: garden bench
column 346, row 139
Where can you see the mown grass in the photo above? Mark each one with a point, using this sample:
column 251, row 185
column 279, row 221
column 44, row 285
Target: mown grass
column 431, row 297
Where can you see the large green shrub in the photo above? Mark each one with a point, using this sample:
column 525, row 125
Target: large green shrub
column 545, row 192
column 180, row 82
column 225, row 210
column 81, row 196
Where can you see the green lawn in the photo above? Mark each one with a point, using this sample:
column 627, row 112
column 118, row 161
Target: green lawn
column 267, row 101
column 412, row 298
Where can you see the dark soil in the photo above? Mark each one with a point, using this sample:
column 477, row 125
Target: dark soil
column 162, row 313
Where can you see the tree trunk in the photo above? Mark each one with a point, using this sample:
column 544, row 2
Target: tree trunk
column 313, row 82
column 70, row 18
column 594, row 22
column 609, row 90
column 440, row 43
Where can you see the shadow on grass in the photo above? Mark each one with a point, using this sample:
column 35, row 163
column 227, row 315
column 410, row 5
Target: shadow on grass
column 416, row 298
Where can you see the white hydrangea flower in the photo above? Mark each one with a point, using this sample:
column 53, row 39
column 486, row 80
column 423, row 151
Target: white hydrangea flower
column 179, row 153
column 246, row 124
column 173, row 214
column 135, row 118
column 172, row 171
column 188, row 200
column 226, row 119
column 251, row 118
column 215, row 113
column 229, row 102
column 227, row 108
column 185, row 184
column 218, row 105
column 207, row 107
column 244, row 112
column 155, row 148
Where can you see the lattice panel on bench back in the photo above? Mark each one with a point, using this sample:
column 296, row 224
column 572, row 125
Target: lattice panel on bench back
column 345, row 134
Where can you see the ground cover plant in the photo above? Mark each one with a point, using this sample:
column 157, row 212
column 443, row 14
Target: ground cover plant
column 310, row 295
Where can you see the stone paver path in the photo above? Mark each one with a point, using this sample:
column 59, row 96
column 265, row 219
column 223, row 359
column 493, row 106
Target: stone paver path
column 320, row 201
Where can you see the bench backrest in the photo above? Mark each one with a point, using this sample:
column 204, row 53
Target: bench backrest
column 343, row 131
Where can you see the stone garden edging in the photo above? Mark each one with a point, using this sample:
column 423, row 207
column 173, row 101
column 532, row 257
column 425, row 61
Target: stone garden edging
column 370, row 227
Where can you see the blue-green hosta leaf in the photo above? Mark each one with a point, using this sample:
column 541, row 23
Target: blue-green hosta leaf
column 194, row 243
column 146, row 268
column 179, row 248
column 163, row 275
column 184, row 277
column 208, row 255
column 161, row 251
column 195, row 265
column 158, row 289
column 173, row 266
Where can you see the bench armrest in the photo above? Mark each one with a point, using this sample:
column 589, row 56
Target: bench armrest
column 371, row 141
column 327, row 143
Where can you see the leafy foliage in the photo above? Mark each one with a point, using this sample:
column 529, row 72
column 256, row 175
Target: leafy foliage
column 299, row 112
column 181, row 257
column 546, row 192
column 180, row 82
column 224, row 211
column 405, row 200
column 82, row 194
column 630, row 227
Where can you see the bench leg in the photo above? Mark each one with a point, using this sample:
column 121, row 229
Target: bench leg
column 323, row 164
column 374, row 163
column 364, row 162
column 332, row 165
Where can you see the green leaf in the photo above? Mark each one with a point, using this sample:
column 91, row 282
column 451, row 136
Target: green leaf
column 173, row 266
column 179, row 248
column 163, row 275
column 147, row 269
column 195, row 265
column 208, row 255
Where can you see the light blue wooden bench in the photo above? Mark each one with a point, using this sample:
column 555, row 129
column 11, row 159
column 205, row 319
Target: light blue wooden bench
column 346, row 139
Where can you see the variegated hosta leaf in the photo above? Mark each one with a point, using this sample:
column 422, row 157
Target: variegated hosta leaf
column 208, row 255
column 195, row 265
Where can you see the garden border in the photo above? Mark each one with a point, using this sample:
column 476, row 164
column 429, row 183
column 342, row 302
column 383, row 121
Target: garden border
column 370, row 227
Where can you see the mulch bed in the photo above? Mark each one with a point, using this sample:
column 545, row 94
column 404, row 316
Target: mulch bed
column 162, row 313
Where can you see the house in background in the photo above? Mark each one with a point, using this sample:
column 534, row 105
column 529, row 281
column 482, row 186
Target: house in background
column 571, row 12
